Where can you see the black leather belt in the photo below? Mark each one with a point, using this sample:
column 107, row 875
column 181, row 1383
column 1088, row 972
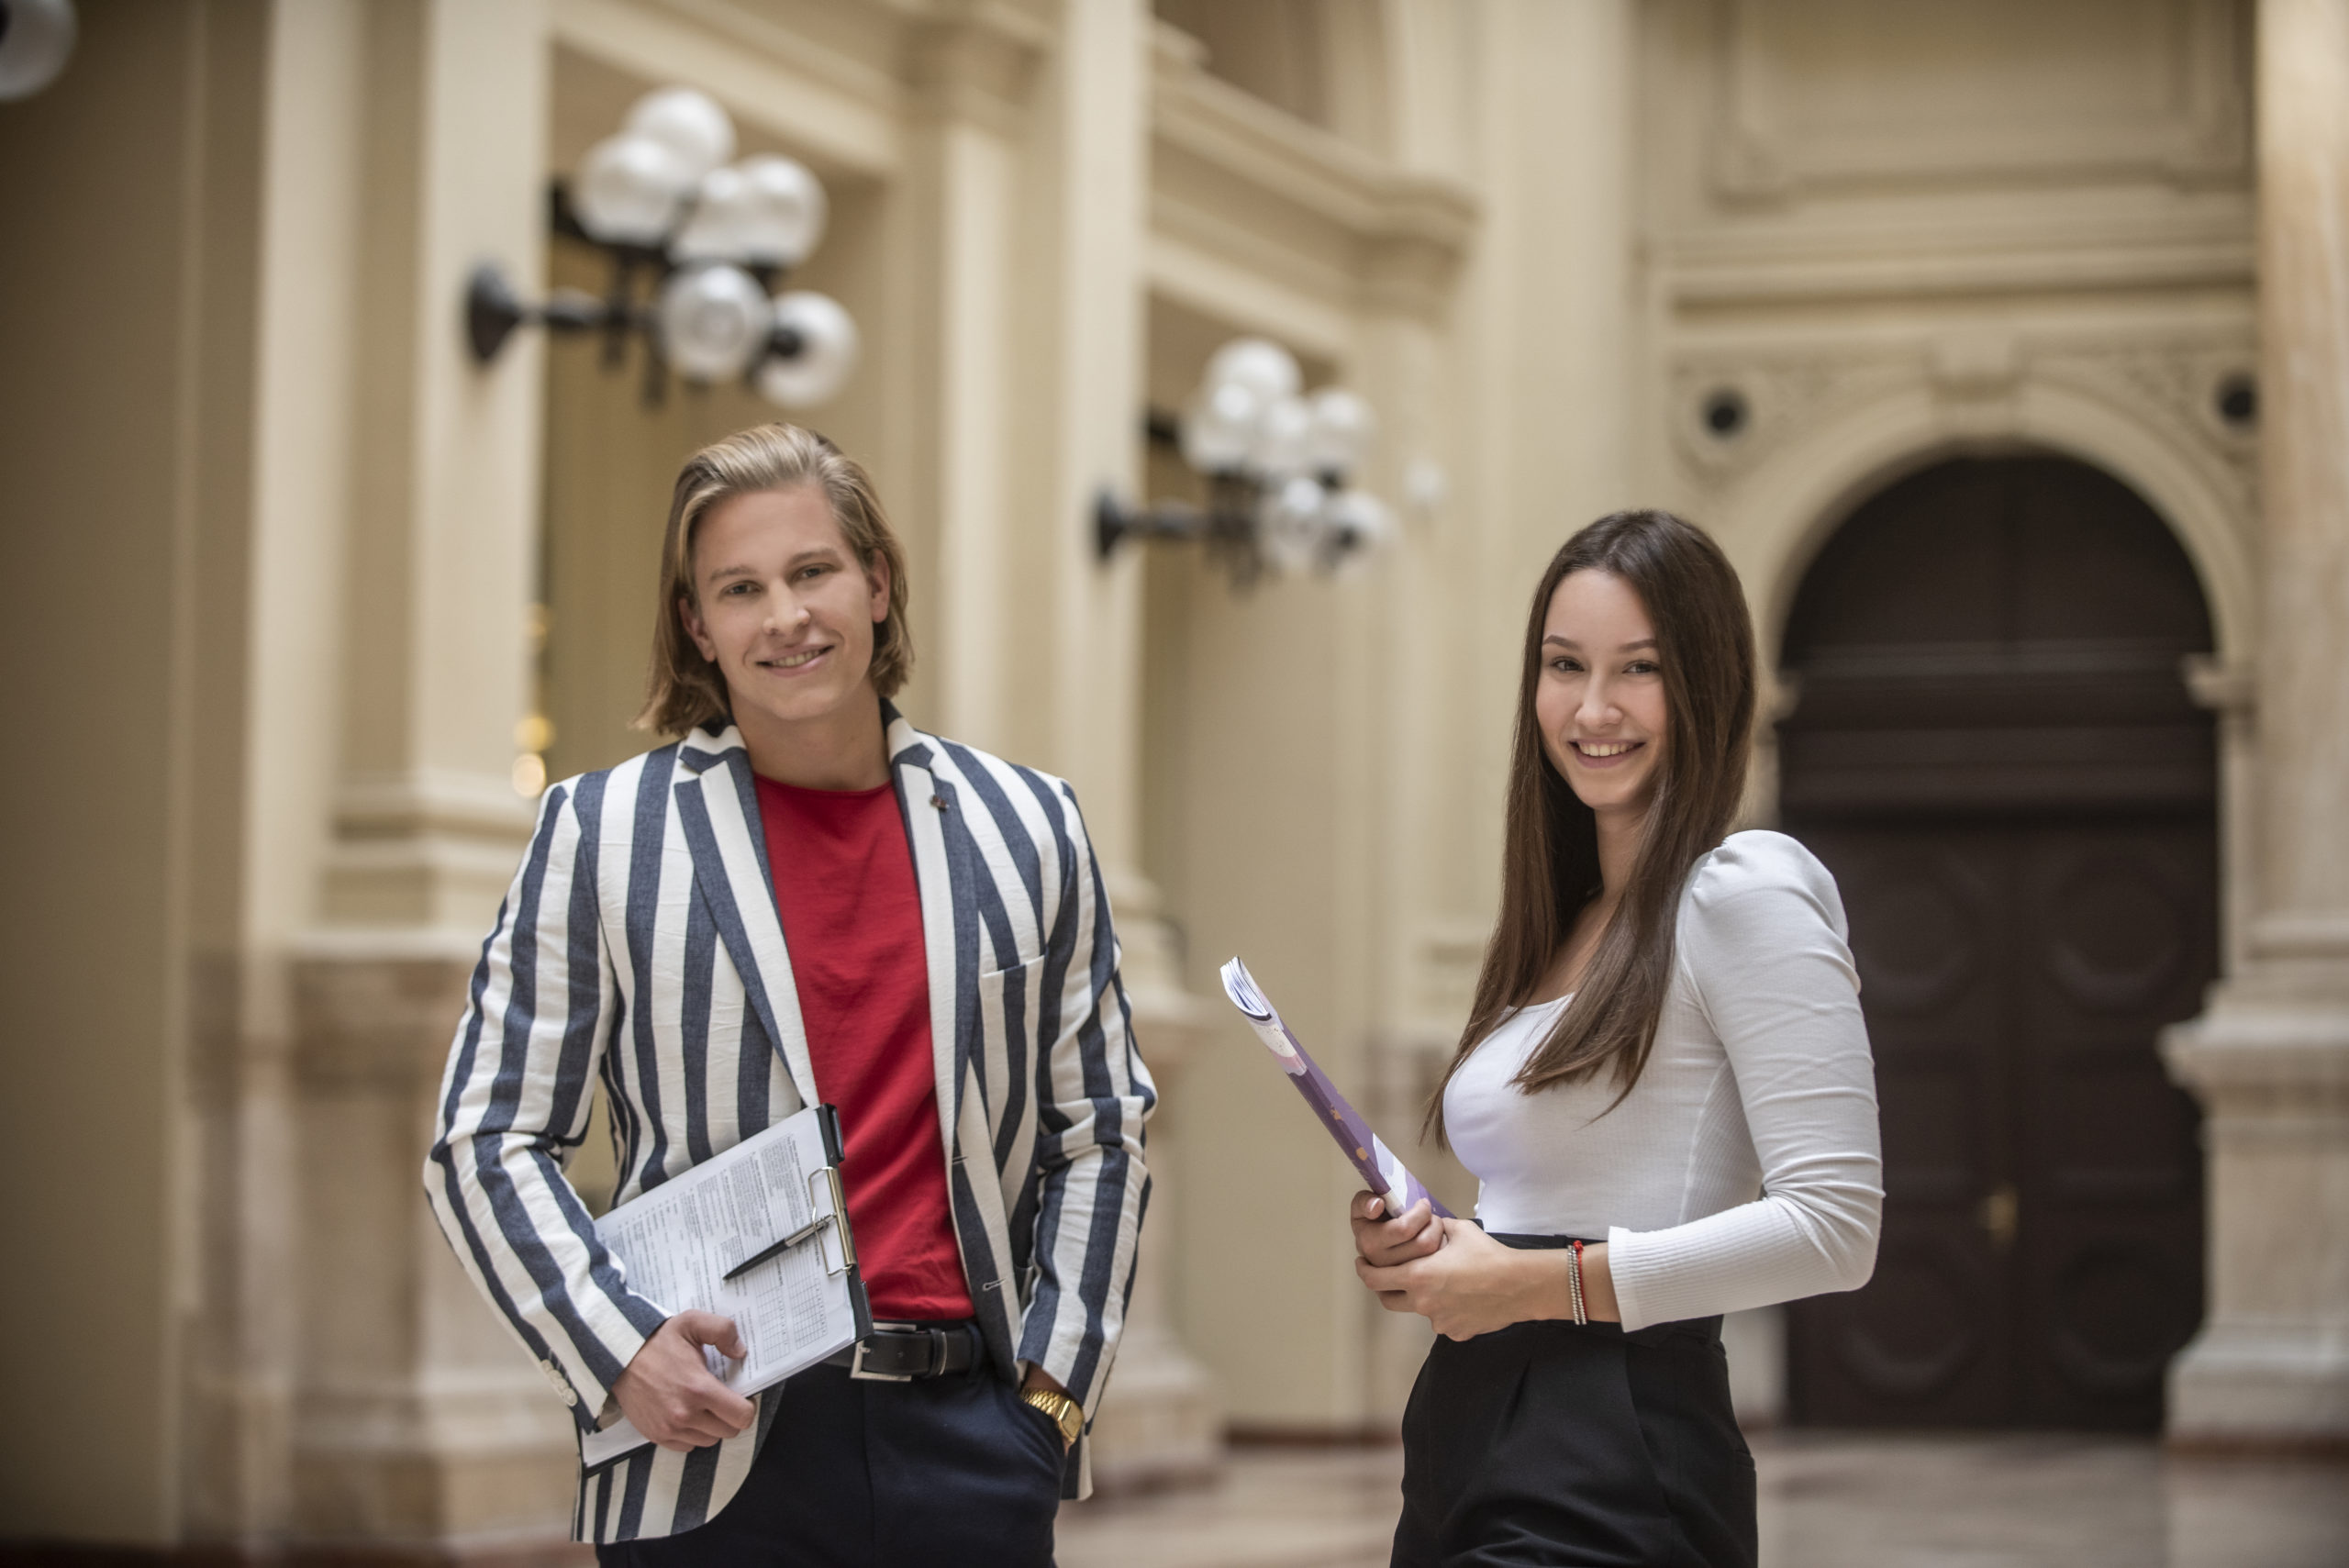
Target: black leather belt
column 899, row 1352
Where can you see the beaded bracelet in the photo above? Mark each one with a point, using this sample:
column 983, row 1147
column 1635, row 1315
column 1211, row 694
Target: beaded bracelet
column 1574, row 1284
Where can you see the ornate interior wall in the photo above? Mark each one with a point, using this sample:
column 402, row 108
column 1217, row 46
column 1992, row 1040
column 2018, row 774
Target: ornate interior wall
column 1747, row 260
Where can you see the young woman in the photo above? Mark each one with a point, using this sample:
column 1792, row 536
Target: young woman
column 1663, row 1089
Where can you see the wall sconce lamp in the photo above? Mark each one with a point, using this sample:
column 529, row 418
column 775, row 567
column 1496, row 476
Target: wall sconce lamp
column 713, row 237
column 1276, row 465
column 36, row 40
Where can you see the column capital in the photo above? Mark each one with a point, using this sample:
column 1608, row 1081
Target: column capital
column 975, row 61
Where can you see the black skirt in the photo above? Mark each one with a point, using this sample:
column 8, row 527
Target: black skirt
column 1551, row 1444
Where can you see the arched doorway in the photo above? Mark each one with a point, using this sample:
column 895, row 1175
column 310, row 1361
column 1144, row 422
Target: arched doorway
column 1993, row 750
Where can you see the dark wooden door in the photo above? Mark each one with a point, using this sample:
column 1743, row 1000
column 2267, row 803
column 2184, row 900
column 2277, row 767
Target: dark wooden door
column 1994, row 754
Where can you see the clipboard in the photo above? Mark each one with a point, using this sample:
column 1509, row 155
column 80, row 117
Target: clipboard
column 758, row 1234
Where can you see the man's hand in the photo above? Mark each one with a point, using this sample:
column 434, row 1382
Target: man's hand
column 667, row 1390
column 1039, row 1378
column 1385, row 1241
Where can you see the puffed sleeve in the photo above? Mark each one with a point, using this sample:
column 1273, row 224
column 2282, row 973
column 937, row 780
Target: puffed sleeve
column 1761, row 943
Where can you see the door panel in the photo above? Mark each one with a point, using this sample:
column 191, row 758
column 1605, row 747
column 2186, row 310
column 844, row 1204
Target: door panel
column 2117, row 931
column 1994, row 754
column 1928, row 1336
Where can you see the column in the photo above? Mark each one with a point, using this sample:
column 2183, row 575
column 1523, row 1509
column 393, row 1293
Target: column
column 1160, row 1422
column 417, row 1425
column 970, row 79
column 2270, row 1057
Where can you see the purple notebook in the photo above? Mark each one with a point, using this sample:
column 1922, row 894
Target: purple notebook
column 1381, row 1172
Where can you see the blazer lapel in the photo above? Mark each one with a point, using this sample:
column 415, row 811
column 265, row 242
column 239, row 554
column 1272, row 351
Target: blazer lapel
column 949, row 905
column 925, row 800
column 719, row 809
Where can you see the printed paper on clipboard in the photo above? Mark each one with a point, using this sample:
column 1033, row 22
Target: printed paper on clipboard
column 758, row 1234
column 1381, row 1171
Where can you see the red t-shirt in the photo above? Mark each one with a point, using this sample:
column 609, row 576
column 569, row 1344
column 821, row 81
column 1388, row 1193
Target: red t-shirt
column 851, row 915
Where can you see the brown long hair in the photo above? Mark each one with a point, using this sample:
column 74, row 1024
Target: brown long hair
column 684, row 689
column 1549, row 855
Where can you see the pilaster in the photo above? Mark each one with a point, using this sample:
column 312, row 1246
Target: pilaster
column 416, row 1427
column 2270, row 1057
column 1160, row 1422
column 971, row 72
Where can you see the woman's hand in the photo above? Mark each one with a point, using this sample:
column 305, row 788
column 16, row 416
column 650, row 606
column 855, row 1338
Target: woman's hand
column 1471, row 1285
column 1414, row 1233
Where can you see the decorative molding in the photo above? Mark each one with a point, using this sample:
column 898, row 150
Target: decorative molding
column 842, row 112
column 2182, row 382
column 2226, row 686
column 2172, row 386
column 975, row 59
column 1762, row 152
column 1783, row 396
column 1238, row 176
column 2036, row 253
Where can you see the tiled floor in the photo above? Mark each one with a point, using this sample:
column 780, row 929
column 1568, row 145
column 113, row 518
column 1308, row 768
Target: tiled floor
column 2043, row 1501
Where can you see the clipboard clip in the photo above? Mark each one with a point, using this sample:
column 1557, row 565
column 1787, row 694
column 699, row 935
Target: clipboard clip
column 814, row 1227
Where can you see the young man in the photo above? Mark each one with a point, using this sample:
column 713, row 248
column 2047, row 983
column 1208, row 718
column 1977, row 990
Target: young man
column 806, row 899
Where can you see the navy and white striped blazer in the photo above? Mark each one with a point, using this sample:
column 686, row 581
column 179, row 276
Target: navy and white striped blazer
column 640, row 943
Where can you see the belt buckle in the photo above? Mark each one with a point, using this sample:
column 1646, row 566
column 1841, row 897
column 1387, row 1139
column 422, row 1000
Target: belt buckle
column 862, row 1373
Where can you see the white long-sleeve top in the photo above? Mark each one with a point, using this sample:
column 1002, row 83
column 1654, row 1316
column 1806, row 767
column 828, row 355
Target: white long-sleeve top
column 1744, row 1168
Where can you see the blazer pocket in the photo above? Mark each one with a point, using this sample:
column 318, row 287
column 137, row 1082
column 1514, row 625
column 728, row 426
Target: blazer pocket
column 1008, row 984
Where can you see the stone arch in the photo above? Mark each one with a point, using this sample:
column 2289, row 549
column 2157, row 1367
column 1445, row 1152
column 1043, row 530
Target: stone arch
column 1779, row 515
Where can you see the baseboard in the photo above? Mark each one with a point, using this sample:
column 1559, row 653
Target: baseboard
column 2329, row 1448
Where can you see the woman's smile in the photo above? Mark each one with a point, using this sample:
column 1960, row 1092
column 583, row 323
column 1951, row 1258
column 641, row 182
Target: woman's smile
column 1603, row 753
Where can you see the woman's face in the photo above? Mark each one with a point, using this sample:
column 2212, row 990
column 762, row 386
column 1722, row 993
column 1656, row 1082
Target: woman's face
column 1600, row 701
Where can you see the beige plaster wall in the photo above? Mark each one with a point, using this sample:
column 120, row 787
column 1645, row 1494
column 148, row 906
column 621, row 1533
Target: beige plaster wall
column 1501, row 219
column 125, row 406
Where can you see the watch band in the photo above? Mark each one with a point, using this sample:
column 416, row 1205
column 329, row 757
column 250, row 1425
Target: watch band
column 1065, row 1412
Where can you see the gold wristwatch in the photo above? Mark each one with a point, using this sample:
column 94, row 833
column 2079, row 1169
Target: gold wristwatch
column 1065, row 1412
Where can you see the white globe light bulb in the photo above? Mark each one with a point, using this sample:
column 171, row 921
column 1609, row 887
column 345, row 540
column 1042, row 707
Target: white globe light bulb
column 1219, row 427
column 689, row 123
column 720, row 229
column 715, row 319
column 1293, row 528
column 1282, row 443
column 37, row 43
column 788, row 210
column 827, row 353
column 1258, row 364
column 1343, row 428
column 628, row 190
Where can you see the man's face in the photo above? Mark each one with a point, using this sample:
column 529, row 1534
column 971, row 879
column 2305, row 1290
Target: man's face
column 785, row 609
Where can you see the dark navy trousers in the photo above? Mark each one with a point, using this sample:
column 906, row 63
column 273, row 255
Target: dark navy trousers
column 857, row 1475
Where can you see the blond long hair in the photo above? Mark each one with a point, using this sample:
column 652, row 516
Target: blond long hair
column 686, row 689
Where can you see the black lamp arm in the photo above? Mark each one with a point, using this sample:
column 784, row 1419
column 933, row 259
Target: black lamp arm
column 1115, row 522
column 493, row 310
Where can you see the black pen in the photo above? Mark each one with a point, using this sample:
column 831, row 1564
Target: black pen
column 788, row 1242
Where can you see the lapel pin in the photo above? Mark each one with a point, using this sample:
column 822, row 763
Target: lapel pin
column 938, row 801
